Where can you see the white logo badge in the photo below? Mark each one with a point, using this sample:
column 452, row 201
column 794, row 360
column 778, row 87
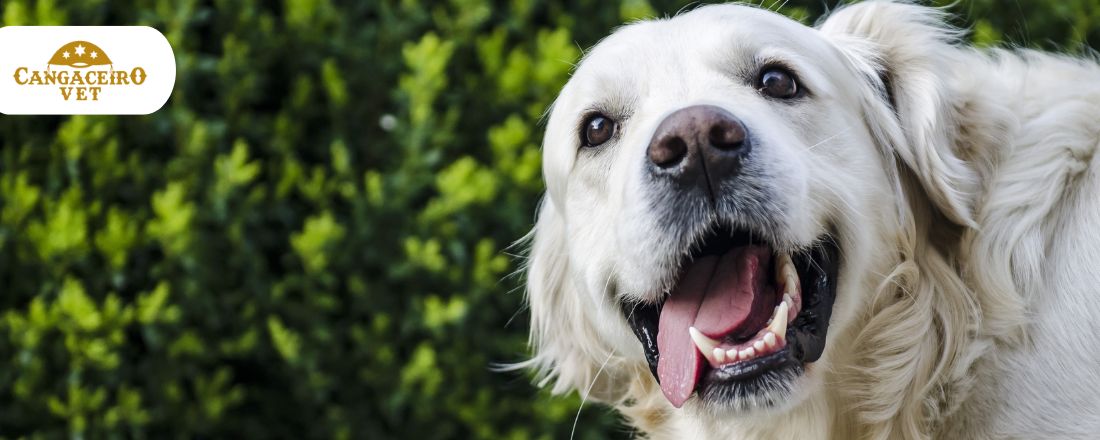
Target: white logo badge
column 84, row 70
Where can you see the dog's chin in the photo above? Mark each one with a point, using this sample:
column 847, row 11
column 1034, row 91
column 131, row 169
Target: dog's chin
column 772, row 386
column 767, row 365
column 775, row 390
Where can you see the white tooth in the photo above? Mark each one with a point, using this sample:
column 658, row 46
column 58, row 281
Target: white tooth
column 706, row 345
column 748, row 353
column 781, row 267
column 787, row 274
column 786, row 267
column 769, row 339
column 719, row 355
column 779, row 321
column 731, row 355
column 788, row 299
column 758, row 345
column 790, row 273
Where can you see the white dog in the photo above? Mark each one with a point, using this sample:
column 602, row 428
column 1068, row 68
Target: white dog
column 757, row 229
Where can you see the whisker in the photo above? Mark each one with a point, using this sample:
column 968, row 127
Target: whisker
column 588, row 391
column 829, row 138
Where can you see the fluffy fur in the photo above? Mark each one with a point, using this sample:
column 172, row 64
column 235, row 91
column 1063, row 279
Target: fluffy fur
column 960, row 182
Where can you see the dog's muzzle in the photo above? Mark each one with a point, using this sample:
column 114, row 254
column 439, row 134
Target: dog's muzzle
column 746, row 310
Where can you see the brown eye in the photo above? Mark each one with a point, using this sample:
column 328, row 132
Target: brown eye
column 778, row 83
column 598, row 129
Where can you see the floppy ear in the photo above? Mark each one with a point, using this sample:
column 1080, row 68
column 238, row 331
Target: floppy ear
column 916, row 344
column 567, row 349
column 903, row 51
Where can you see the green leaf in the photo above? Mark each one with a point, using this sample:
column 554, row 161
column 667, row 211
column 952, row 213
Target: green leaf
column 285, row 341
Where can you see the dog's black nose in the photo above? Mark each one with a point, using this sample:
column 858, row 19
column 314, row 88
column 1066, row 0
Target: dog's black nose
column 698, row 142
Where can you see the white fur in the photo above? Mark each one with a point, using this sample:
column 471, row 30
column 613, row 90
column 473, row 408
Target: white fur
column 966, row 210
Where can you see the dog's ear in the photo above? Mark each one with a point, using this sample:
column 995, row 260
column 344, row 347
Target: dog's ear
column 567, row 349
column 902, row 51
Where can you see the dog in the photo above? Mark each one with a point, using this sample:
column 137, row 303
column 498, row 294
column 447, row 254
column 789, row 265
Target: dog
column 756, row 229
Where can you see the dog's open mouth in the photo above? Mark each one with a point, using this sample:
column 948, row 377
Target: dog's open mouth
column 740, row 313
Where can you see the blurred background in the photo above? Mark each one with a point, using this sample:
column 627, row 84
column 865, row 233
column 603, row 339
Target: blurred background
column 312, row 238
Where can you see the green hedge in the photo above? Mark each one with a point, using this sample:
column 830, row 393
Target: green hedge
column 311, row 239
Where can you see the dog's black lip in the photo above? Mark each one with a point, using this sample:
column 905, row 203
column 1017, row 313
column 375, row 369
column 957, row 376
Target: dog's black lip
column 747, row 370
column 722, row 239
column 642, row 319
column 817, row 268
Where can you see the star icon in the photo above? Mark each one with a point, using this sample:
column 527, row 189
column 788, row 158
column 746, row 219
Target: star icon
column 80, row 50
column 94, row 55
column 65, row 55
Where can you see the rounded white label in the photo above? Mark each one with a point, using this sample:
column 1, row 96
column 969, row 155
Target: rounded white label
column 84, row 70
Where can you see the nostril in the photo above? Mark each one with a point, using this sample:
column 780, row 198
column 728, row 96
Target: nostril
column 668, row 152
column 692, row 140
column 726, row 135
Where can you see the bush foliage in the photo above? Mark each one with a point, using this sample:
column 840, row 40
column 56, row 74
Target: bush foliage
column 310, row 240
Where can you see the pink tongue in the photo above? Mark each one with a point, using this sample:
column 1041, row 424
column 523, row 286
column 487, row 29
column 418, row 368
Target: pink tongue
column 715, row 296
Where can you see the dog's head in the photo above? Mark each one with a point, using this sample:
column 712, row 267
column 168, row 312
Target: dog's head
column 725, row 189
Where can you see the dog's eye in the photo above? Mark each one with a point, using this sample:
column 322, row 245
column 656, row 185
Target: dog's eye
column 778, row 83
column 598, row 129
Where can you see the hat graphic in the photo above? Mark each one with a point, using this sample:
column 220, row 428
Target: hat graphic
column 79, row 54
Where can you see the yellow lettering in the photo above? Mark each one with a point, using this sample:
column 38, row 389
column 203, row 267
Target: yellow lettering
column 137, row 76
column 17, row 75
column 66, row 92
column 80, row 96
column 95, row 93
